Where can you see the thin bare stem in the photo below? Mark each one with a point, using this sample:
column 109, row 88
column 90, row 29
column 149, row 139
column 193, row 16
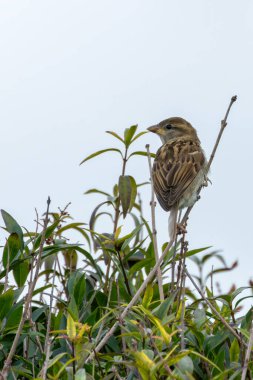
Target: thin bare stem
column 7, row 364
column 223, row 126
column 154, row 231
column 247, row 356
column 47, row 338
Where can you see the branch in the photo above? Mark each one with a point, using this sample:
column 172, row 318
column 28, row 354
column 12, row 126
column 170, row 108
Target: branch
column 223, row 125
column 154, row 231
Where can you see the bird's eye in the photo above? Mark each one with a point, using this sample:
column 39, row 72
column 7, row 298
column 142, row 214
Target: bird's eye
column 169, row 126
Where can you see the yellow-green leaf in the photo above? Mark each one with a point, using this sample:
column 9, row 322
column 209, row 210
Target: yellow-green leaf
column 148, row 295
column 71, row 328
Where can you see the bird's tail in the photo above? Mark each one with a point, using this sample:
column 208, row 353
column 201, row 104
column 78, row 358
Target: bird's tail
column 173, row 223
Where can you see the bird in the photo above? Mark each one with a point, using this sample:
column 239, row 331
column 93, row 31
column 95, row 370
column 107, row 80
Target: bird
column 179, row 168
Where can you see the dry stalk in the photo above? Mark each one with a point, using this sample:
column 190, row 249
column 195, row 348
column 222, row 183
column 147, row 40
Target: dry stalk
column 7, row 363
column 154, row 231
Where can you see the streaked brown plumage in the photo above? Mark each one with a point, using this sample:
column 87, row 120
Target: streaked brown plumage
column 179, row 166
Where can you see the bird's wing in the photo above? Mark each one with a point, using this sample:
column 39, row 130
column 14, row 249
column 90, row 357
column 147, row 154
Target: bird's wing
column 175, row 167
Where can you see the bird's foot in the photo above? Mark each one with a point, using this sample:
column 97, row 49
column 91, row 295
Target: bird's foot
column 181, row 229
column 206, row 181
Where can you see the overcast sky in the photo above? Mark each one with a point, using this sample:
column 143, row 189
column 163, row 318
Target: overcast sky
column 69, row 70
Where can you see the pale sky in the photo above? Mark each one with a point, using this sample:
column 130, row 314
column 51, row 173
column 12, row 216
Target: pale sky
column 70, row 70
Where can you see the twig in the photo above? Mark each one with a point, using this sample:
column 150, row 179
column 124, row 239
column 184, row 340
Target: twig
column 223, row 125
column 131, row 303
column 7, row 363
column 47, row 338
column 213, row 308
column 247, row 356
column 154, row 231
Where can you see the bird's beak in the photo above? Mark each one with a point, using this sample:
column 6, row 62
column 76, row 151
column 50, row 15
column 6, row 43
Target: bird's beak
column 154, row 128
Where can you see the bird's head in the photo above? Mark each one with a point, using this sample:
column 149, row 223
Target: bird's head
column 173, row 128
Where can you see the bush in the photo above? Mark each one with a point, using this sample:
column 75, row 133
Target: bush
column 64, row 309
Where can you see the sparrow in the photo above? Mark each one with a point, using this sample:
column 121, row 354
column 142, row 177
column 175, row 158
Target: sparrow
column 179, row 168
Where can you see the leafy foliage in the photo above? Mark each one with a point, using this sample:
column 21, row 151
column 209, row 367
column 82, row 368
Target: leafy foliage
column 81, row 290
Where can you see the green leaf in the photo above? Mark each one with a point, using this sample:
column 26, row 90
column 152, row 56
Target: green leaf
column 94, row 213
column 162, row 310
column 116, row 135
column 234, row 351
column 12, row 226
column 72, row 309
column 77, row 286
column 128, row 134
column 139, row 135
column 127, row 193
column 100, row 152
column 56, row 359
column 20, row 273
column 14, row 316
column 140, row 265
column 133, row 192
column 140, row 153
column 97, row 191
column 80, row 374
column 11, row 249
column 127, row 239
column 185, row 365
column 6, row 301
column 199, row 317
